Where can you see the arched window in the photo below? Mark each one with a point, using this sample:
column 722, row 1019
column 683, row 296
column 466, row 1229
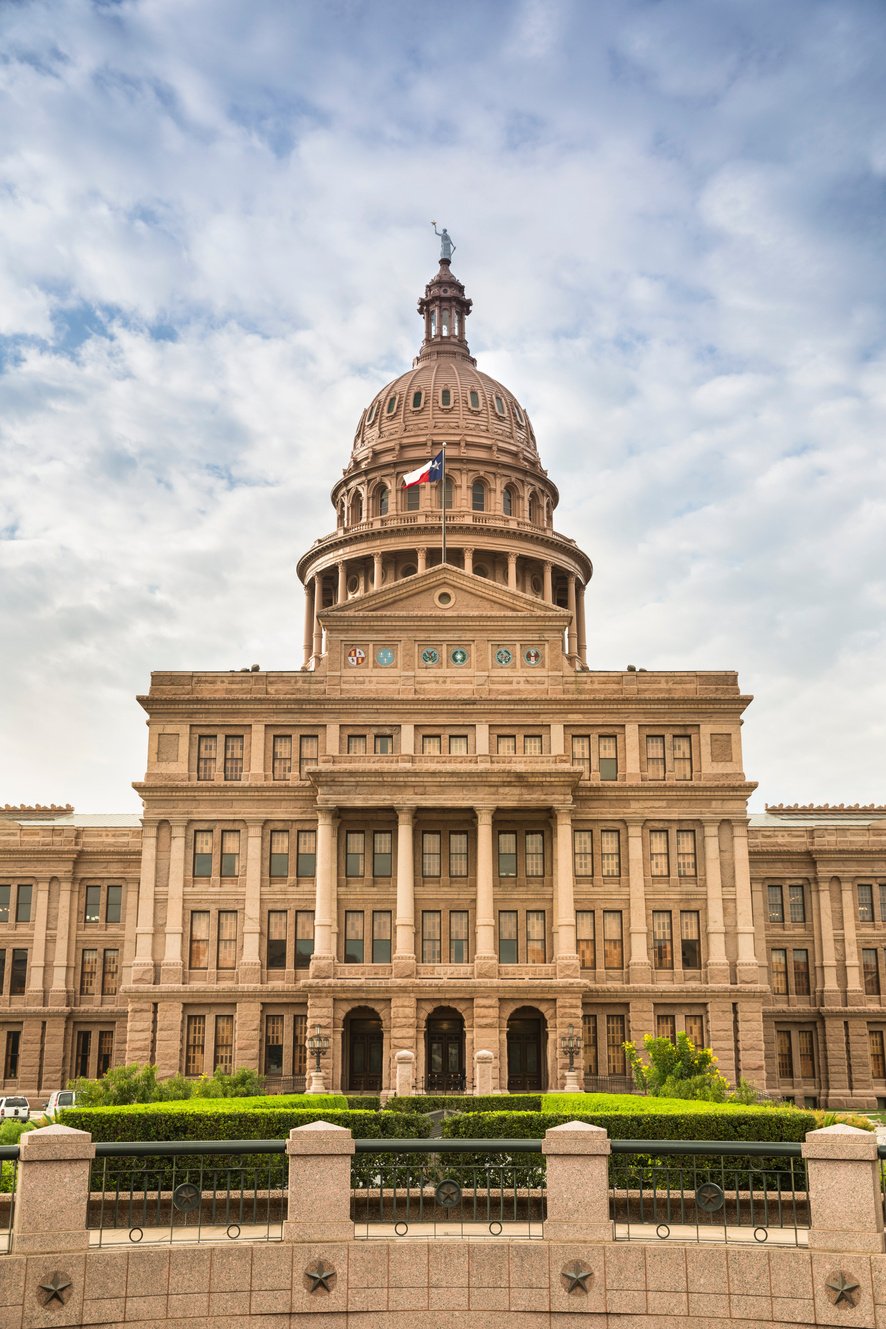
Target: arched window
column 507, row 502
column 433, row 322
column 455, row 323
column 533, row 508
column 413, row 498
column 341, row 513
column 450, row 492
column 381, row 501
column 356, row 507
column 478, row 496
column 474, row 399
column 392, row 404
column 444, row 318
column 446, row 397
column 373, row 412
column 417, row 399
column 499, row 406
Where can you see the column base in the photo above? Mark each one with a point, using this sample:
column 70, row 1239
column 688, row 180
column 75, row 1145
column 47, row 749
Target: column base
column 571, row 1084
column 171, row 974
column 248, row 973
column 747, row 973
column 316, row 1083
column 485, row 966
column 403, row 966
column 718, row 971
column 59, row 997
column 640, row 972
column 568, row 966
column 142, row 973
column 321, row 966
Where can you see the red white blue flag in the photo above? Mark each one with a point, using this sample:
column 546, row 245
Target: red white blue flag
column 432, row 470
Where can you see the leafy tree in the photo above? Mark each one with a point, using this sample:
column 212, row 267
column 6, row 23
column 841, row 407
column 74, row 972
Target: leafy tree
column 677, row 1070
column 139, row 1084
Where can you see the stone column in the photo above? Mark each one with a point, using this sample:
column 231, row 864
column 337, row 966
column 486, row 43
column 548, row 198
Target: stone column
column 52, row 1193
column 846, row 1206
column 632, row 753
column 143, row 961
column 309, row 621
column 571, row 631
column 821, row 891
column 639, row 967
column 342, row 593
column 746, row 968
column 582, row 630
column 317, row 645
column 512, row 572
column 249, row 968
column 421, row 557
column 257, row 754
column 485, row 964
column 60, row 987
column 404, row 1073
column 324, row 896
column 404, row 953
column 577, row 1157
column 319, row 1192
column 469, row 559
column 171, row 968
column 850, row 943
column 376, row 570
column 37, row 967
column 718, row 967
column 548, row 575
column 564, row 897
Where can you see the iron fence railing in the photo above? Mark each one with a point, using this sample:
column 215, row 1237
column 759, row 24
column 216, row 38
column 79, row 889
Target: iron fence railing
column 8, row 1175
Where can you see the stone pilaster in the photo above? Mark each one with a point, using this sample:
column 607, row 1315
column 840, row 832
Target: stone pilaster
column 485, row 962
column 404, row 952
column 249, row 968
column 171, row 968
column 143, row 960
column 638, row 961
column 718, row 967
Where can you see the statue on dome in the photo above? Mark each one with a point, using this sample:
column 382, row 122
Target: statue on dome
column 447, row 248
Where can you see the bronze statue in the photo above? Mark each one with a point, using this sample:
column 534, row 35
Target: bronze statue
column 447, row 248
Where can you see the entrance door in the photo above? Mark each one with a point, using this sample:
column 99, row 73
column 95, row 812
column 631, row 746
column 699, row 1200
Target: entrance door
column 525, row 1051
column 365, row 1048
column 445, row 1052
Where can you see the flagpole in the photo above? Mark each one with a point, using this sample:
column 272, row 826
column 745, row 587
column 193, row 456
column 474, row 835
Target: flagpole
column 443, row 505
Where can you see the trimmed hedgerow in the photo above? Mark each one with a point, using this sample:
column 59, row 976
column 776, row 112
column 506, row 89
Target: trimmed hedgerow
column 634, row 1104
column 363, row 1102
column 270, row 1102
column 465, row 1103
column 648, row 1119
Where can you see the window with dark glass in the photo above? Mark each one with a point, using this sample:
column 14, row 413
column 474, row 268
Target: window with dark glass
column 613, row 941
column 226, row 946
column 610, row 849
column 273, row 1045
column 589, row 1044
column 507, row 936
column 392, row 405
column 778, row 971
column 299, row 1044
column 304, row 938
column 281, row 760
column 682, row 757
column 88, row 972
column 458, row 853
column 686, row 864
column 11, row 1054
column 690, row 939
column 383, row 744
column 277, row 925
column 458, row 936
column 662, row 939
column 659, row 864
column 430, row 853
column 478, row 496
column 506, row 745
column 413, row 498
column 507, row 854
column 355, row 853
column 883, row 902
column 581, row 752
column 666, row 1027
column 92, row 912
column 2, row 970
column 356, row 745
column 206, row 752
column 878, row 1057
column 381, row 936
column 801, row 973
column 381, row 853
column 797, row 899
column 203, row 853
column 417, row 398
column 195, row 1044
column 198, row 954
column 4, row 903
column 584, row 938
column 110, row 972
column 474, row 399
column 82, row 1045
column 499, row 405
column 233, row 756
column 775, row 900
column 655, row 757
column 105, row 1053
column 114, row 911
column 18, row 973
column 535, row 854
column 353, row 936
column 583, row 853
column 806, row 1051
column 431, row 950
column 507, row 502
column 382, row 497
column 23, row 898
column 535, row 936
column 308, row 753
column 616, row 1034
column 279, row 866
column 865, row 904
column 306, row 854
column 607, row 747
column 871, row 969
column 223, row 1057
column 785, row 1054
column 230, row 853
column 445, row 393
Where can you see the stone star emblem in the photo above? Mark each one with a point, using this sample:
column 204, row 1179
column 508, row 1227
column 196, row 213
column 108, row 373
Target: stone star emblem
column 841, row 1287
column 55, row 1289
column 576, row 1277
column 319, row 1277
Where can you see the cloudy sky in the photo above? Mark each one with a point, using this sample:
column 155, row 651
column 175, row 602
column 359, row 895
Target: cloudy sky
column 215, row 224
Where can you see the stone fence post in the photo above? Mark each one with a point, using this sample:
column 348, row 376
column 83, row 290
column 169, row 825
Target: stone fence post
column 319, row 1198
column 404, row 1073
column 577, row 1182
column 483, row 1060
column 52, row 1191
column 845, row 1200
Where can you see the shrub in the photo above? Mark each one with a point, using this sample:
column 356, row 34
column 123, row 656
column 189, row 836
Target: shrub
column 465, row 1103
column 644, row 1119
column 362, row 1102
column 136, row 1083
column 677, row 1069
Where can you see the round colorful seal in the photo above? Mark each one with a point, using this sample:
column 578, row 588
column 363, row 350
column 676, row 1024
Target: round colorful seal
column 503, row 656
column 532, row 655
column 459, row 656
column 384, row 656
column 356, row 656
column 429, row 656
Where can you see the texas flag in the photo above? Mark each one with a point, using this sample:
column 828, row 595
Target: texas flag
column 432, row 470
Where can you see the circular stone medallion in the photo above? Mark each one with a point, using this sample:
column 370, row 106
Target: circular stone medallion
column 459, row 656
column 503, row 656
column 384, row 656
column 532, row 655
column 356, row 656
column 430, row 657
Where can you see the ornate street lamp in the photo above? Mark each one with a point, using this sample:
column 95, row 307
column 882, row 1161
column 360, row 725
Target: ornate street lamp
column 571, row 1045
column 318, row 1045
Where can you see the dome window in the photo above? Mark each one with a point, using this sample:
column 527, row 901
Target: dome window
column 381, row 501
column 474, row 399
column 455, row 323
column 450, row 492
column 533, row 509
column 446, row 397
column 392, row 404
column 478, row 496
column 518, row 415
column 408, row 570
column 373, row 412
column 417, row 399
column 433, row 322
column 444, row 320
column 499, row 406
column 413, row 498
column 507, row 502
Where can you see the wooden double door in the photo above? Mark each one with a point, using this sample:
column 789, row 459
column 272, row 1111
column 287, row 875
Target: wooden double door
column 526, row 1040
column 365, row 1050
column 445, row 1052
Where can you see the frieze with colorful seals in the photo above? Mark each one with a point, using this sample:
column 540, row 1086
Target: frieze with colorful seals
column 532, row 655
column 430, row 656
column 355, row 656
column 504, row 657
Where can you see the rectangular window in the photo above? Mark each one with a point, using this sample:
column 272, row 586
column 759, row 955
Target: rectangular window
column 682, row 757
column 806, row 1050
column 801, row 973
column 883, row 902
column 277, row 925
column 198, row 953
column 785, row 1054
column 458, row 936
column 306, row 854
column 93, row 910
column 18, row 973
column 383, row 745
column 82, row 1045
column 581, row 752
column 797, row 898
column 607, row 750
column 110, row 972
column 223, row 1058
column 356, row 745
column 88, row 972
column 662, row 939
column 611, row 853
column 105, row 1051
column 233, row 756
column 613, row 942
column 4, row 903
column 203, row 853
column 535, row 936
column 871, row 969
column 2, row 970
column 506, row 745
column 206, row 756
column 507, row 854
column 195, row 1044
column 381, row 936
column 690, row 939
column 878, row 1058
column 304, row 938
column 865, row 904
column 230, row 853
column 655, row 757
column 583, row 853
column 299, row 1045
column 353, row 936
column 666, row 1027
column 431, row 951
column 589, row 1041
column 778, row 973
column 281, row 756
column 535, row 854
column 226, row 945
column 355, row 853
column 693, row 1026
column 458, row 853
column 279, row 866
column 114, row 911
column 23, row 898
column 659, row 863
column 615, row 1040
column 381, row 853
column 533, row 745
column 431, row 745
column 686, row 863
column 458, row 745
column 584, row 938
column 430, row 853
column 308, row 753
column 775, row 904
column 273, row 1045
column 507, row 936
column 11, row 1054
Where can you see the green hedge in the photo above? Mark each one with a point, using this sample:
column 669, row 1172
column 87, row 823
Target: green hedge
column 364, row 1102
column 635, row 1104
column 275, row 1102
column 465, row 1103
column 648, row 1120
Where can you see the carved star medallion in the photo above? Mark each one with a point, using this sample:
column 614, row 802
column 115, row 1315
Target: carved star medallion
column 55, row 1289
column 842, row 1287
column 576, row 1276
column 320, row 1277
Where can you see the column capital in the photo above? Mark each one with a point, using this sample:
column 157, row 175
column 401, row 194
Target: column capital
column 512, row 556
column 405, row 812
column 254, row 824
column 484, row 815
column 326, row 814
column 635, row 825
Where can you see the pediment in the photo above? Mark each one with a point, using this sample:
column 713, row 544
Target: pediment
column 424, row 594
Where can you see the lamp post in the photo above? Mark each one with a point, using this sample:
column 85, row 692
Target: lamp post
column 571, row 1045
column 318, row 1045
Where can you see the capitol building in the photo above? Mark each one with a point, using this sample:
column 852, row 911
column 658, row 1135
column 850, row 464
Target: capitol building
column 446, row 834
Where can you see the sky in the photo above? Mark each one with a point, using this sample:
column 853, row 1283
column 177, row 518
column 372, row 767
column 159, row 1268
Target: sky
column 214, row 226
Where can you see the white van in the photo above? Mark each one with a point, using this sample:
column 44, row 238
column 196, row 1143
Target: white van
column 60, row 1098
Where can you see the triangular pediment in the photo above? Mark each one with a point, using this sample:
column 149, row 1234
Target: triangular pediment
column 425, row 594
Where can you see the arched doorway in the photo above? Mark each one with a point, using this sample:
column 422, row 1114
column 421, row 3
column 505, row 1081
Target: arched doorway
column 445, row 1052
column 363, row 1050
column 527, row 1037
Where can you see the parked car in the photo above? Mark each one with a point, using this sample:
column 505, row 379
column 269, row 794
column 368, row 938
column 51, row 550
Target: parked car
column 16, row 1107
column 59, row 1098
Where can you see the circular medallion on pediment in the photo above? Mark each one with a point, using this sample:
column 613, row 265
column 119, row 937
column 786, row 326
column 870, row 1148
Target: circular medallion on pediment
column 430, row 656
column 458, row 655
column 503, row 656
column 532, row 655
